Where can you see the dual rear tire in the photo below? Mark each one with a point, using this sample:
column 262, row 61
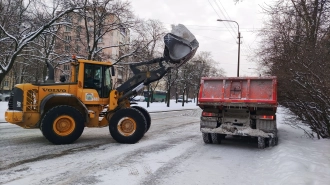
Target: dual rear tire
column 214, row 138
column 267, row 142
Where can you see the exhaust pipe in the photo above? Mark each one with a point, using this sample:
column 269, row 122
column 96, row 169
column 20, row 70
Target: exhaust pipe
column 50, row 68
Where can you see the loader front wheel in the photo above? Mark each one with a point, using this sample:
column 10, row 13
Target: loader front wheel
column 145, row 114
column 127, row 125
column 62, row 124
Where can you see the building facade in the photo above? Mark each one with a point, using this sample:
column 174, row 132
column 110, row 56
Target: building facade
column 99, row 44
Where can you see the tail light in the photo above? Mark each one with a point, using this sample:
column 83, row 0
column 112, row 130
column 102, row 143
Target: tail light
column 209, row 114
column 266, row 117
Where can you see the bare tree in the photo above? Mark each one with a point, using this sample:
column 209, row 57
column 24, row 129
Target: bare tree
column 296, row 50
column 18, row 28
column 92, row 31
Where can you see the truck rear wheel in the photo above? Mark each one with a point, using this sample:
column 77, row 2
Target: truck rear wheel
column 145, row 114
column 261, row 143
column 272, row 141
column 127, row 125
column 62, row 124
column 216, row 138
column 207, row 138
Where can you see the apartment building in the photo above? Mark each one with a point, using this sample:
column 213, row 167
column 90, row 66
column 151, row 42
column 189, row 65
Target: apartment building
column 7, row 84
column 75, row 42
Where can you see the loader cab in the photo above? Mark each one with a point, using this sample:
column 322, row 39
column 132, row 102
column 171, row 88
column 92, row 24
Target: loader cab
column 98, row 77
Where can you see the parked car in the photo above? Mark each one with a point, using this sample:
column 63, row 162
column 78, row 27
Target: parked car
column 180, row 99
column 138, row 98
column 4, row 97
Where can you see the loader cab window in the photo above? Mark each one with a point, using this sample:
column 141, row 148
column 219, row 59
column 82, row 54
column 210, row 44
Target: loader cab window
column 97, row 77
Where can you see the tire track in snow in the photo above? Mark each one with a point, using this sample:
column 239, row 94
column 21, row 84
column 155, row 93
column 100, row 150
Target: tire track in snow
column 74, row 175
column 166, row 170
column 122, row 161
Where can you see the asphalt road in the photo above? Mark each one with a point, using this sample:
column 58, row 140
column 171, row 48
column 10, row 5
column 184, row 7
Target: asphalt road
column 172, row 151
column 23, row 149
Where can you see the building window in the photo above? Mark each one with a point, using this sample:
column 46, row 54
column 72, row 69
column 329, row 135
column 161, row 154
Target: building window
column 122, row 30
column 100, row 40
column 6, row 84
column 66, row 67
column 68, row 18
column 98, row 48
column 79, row 19
column 78, row 29
column 67, row 48
column 68, row 38
column 67, row 29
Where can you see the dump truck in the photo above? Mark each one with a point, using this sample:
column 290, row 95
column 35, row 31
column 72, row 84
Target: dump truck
column 238, row 106
column 89, row 99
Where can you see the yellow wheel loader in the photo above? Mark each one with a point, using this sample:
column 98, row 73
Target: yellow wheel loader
column 62, row 110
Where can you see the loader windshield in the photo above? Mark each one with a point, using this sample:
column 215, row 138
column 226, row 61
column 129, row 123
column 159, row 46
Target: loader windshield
column 107, row 78
column 98, row 77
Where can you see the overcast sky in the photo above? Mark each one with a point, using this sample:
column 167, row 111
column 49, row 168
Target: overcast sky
column 220, row 38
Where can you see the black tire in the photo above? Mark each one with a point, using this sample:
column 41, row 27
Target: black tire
column 261, row 143
column 271, row 142
column 7, row 99
column 145, row 114
column 127, row 125
column 62, row 124
column 207, row 138
column 216, row 138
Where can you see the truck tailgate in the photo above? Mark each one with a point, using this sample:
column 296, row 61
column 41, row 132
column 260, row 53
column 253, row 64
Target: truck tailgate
column 238, row 91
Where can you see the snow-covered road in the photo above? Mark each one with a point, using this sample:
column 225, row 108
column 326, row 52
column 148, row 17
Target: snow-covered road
column 172, row 152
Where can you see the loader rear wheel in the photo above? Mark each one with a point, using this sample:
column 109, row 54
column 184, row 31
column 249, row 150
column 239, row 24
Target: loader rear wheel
column 216, row 138
column 207, row 138
column 145, row 114
column 62, row 124
column 127, row 125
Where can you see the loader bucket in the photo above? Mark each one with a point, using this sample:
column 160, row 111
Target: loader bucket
column 180, row 45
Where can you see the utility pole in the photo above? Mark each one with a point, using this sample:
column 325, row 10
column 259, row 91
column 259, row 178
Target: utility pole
column 239, row 42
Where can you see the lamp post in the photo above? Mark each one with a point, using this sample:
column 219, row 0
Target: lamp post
column 239, row 41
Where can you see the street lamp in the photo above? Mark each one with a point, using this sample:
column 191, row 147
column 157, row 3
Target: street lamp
column 239, row 42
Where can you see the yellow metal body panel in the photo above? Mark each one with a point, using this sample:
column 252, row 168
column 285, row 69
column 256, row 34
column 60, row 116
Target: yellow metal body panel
column 95, row 122
column 14, row 116
column 34, row 94
column 26, row 120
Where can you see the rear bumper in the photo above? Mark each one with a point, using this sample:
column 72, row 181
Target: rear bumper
column 239, row 131
column 14, row 116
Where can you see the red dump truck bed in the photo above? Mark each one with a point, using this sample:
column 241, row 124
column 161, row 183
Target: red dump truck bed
column 238, row 91
column 239, row 106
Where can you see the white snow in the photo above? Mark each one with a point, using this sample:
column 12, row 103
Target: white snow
column 295, row 160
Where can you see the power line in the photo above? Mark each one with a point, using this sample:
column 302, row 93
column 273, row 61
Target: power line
column 228, row 18
column 189, row 25
column 220, row 16
column 215, row 39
